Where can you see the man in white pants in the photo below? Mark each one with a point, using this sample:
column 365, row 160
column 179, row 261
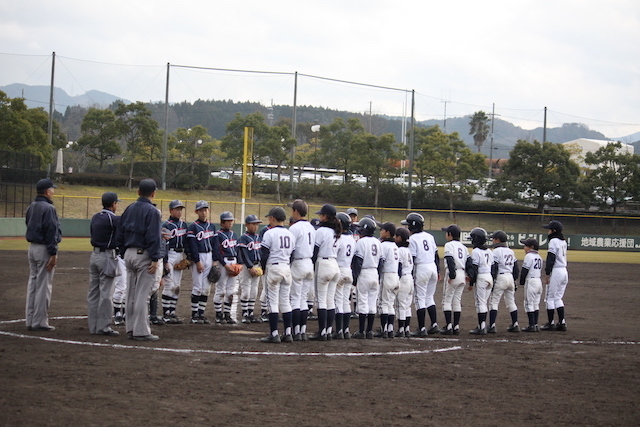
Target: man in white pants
column 556, row 277
column 455, row 257
column 389, row 279
column 277, row 245
column 346, row 251
column 504, row 272
column 530, row 278
column 480, row 280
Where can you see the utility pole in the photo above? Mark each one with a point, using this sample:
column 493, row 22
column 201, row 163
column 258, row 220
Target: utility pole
column 50, row 133
column 544, row 129
column 493, row 116
column 411, row 143
column 166, row 131
column 445, row 117
column 294, row 125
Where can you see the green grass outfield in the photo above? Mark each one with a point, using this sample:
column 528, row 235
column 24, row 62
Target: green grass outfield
column 609, row 257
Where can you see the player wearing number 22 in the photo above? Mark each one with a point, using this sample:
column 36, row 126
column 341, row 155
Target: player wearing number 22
column 504, row 271
column 275, row 252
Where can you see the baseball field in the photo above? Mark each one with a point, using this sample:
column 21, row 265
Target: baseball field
column 222, row 375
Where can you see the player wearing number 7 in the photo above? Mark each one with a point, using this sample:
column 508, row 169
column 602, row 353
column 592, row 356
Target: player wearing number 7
column 504, row 271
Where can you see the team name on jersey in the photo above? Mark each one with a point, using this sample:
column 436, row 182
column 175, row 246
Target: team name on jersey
column 204, row 234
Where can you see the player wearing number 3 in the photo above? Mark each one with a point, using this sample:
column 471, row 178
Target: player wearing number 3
column 504, row 272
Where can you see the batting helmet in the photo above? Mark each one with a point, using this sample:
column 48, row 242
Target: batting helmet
column 500, row 235
column 345, row 220
column 226, row 216
column 415, row 221
column 478, row 236
column 367, row 226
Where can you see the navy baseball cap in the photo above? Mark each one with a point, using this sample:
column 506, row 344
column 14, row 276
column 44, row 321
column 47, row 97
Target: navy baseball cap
column 453, row 229
column 328, row 210
column 390, row 227
column 226, row 216
column 252, row 219
column 45, row 184
column 278, row 213
column 109, row 198
column 532, row 243
column 201, row 204
column 554, row 225
column 174, row 204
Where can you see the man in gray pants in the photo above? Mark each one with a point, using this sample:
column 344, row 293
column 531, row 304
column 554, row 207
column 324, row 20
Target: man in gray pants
column 101, row 280
column 139, row 238
column 43, row 232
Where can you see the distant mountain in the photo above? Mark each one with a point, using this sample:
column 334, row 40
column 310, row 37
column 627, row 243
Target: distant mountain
column 215, row 114
column 38, row 96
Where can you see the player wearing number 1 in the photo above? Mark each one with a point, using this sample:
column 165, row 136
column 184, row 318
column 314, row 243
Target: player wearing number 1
column 424, row 251
column 504, row 271
column 455, row 257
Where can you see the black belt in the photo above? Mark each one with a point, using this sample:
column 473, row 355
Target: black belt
column 97, row 249
column 326, row 257
column 177, row 249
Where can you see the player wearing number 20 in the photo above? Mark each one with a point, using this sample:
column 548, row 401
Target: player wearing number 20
column 424, row 251
column 275, row 253
column 455, row 257
column 504, row 271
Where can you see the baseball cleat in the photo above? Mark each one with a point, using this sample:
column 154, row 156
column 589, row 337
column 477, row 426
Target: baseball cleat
column 194, row 320
column 561, row 327
column 287, row 338
column 246, row 319
column 275, row 339
column 445, row 331
column 318, row 337
column 456, row 331
column 369, row 335
column 347, row 335
column 41, row 328
column 119, row 320
column 155, row 320
column 548, row 327
column 407, row 333
column 253, row 319
column 513, row 328
column 337, row 335
column 146, row 338
column 304, row 337
column 229, row 320
column 400, row 334
column 530, row 329
column 358, row 335
column 420, row 334
column 297, row 337
column 203, row 320
column 264, row 317
column 492, row 330
column 380, row 334
column 433, row 330
column 478, row 331
column 109, row 332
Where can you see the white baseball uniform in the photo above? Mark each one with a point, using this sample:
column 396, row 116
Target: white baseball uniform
column 405, row 290
column 390, row 281
column 302, row 272
column 453, row 287
column 280, row 243
column 482, row 259
column 346, row 252
column 559, row 278
column 424, row 251
column 505, row 258
column 369, row 250
column 533, row 281
column 327, row 269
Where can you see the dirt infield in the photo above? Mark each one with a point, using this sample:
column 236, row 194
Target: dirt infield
column 221, row 375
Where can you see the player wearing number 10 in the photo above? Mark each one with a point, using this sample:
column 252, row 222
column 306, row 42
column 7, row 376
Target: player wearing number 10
column 277, row 245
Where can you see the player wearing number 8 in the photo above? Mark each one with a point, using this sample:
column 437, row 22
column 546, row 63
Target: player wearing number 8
column 504, row 271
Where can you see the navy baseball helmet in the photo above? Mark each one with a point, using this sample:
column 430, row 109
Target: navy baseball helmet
column 345, row 220
column 478, row 236
column 367, row 226
column 414, row 221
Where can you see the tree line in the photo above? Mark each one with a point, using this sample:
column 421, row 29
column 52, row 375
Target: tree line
column 127, row 135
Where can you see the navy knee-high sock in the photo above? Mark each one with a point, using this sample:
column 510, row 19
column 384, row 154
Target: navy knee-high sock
column 407, row 323
column 392, row 319
column 346, row 317
column 322, row 320
column 560, row 315
column 447, row 316
column 532, row 318
column 514, row 317
column 384, row 319
column 370, row 319
column 550, row 315
column 304, row 314
column 456, row 318
column 295, row 317
column 339, row 322
column 433, row 314
column 536, row 315
column 273, row 322
column 362, row 320
column 331, row 316
column 422, row 313
column 493, row 315
column 288, row 321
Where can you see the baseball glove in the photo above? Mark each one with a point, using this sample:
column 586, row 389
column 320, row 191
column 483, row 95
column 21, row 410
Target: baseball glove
column 214, row 274
column 234, row 269
column 182, row 265
column 257, row 271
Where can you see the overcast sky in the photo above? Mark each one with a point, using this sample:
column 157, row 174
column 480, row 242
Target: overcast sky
column 579, row 58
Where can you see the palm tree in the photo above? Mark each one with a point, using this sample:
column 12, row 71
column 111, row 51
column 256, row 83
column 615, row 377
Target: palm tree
column 479, row 128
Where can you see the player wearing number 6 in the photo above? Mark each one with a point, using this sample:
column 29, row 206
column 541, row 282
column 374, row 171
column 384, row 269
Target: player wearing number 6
column 504, row 271
column 455, row 257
